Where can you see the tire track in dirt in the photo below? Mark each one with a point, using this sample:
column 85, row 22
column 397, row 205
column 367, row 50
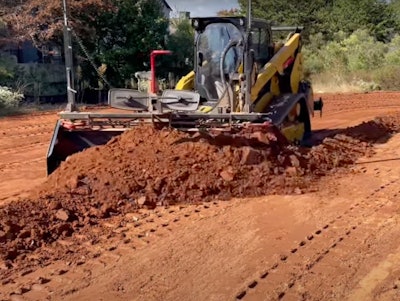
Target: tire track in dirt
column 272, row 284
column 19, row 135
column 23, row 148
column 137, row 230
column 382, row 282
column 334, row 103
column 8, row 125
column 353, row 262
column 31, row 143
column 31, row 126
column 130, row 233
column 362, row 108
column 12, row 165
column 12, row 196
column 24, row 140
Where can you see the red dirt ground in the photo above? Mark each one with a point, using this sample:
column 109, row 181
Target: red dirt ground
column 87, row 232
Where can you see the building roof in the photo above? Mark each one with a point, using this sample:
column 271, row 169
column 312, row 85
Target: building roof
column 166, row 5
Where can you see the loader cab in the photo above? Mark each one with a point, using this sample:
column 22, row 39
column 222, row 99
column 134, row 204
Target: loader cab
column 221, row 45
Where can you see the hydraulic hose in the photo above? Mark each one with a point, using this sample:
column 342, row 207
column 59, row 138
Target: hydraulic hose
column 231, row 44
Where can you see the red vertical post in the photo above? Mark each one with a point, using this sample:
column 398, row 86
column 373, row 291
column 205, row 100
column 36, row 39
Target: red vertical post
column 153, row 55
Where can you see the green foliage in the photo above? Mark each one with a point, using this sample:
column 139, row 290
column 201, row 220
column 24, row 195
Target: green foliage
column 359, row 51
column 32, row 79
column 363, row 52
column 394, row 6
column 373, row 15
column 330, row 16
column 359, row 57
column 125, row 37
column 387, row 77
column 388, row 74
column 3, row 31
column 393, row 54
column 7, row 64
column 315, row 16
column 181, row 43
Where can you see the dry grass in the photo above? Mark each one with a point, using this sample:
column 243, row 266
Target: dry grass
column 331, row 83
column 325, row 87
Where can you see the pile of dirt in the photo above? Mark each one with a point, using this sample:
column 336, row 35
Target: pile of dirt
column 147, row 167
column 150, row 167
column 375, row 131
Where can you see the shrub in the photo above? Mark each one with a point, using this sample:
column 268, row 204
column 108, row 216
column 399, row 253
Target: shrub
column 363, row 52
column 393, row 55
column 9, row 99
column 356, row 62
column 388, row 77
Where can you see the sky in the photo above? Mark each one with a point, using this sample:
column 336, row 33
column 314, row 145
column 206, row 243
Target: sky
column 202, row 8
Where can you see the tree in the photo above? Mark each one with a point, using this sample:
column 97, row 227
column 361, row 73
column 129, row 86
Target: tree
column 291, row 12
column 181, row 43
column 394, row 6
column 117, row 33
column 6, row 69
column 3, row 32
column 374, row 15
column 126, row 36
column 328, row 16
column 42, row 20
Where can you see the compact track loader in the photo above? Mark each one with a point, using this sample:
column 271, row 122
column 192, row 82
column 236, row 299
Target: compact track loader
column 241, row 78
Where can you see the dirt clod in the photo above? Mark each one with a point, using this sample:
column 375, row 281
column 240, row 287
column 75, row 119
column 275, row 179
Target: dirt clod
column 251, row 156
column 228, row 174
column 141, row 200
column 297, row 190
column 42, row 280
column 17, row 297
column 294, row 161
column 63, row 215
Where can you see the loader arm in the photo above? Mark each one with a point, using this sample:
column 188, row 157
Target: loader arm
column 274, row 70
column 186, row 82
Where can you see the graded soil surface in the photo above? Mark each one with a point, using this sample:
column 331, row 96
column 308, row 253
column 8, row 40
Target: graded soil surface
column 24, row 141
column 161, row 215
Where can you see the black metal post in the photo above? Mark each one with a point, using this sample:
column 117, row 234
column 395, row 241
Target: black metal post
column 69, row 67
column 248, row 60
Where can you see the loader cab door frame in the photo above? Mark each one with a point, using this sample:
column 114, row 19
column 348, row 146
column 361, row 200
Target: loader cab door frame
column 210, row 45
column 261, row 45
